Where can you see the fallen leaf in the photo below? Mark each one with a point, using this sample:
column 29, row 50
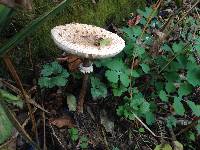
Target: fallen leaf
column 106, row 122
column 61, row 122
column 73, row 62
column 134, row 21
column 178, row 145
column 71, row 102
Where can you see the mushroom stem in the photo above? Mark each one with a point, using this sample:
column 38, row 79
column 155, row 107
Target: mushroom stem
column 86, row 63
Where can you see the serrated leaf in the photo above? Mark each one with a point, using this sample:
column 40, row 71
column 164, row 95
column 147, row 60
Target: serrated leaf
column 178, row 106
column 56, row 67
column 115, row 64
column 171, row 121
column 124, row 79
column 178, row 47
column 59, row 81
column 171, row 76
column 137, row 31
column 112, row 76
column 98, row 89
column 193, row 76
column 119, row 90
column 144, row 107
column 150, row 118
column 170, row 88
column 135, row 74
column 71, row 102
column 145, row 68
column 73, row 132
column 184, row 89
column 163, row 147
column 163, row 96
column 195, row 108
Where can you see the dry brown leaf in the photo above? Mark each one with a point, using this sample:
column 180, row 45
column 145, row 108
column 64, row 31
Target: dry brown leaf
column 73, row 62
column 61, row 122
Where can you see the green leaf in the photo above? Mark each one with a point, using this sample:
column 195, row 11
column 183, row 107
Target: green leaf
column 73, row 132
column 71, row 102
column 171, row 121
column 150, row 118
column 193, row 76
column 135, row 74
column 6, row 126
column 178, row 47
column 178, row 106
column 98, row 89
column 170, row 88
column 184, row 89
column 163, row 147
column 195, row 108
column 124, row 79
column 163, row 96
column 115, row 64
column 30, row 28
column 119, row 90
column 137, row 31
column 145, row 68
column 105, row 42
column 83, row 142
column 112, row 76
column 10, row 98
column 171, row 76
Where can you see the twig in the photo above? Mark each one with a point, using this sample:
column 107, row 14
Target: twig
column 14, row 74
column 144, row 125
column 193, row 124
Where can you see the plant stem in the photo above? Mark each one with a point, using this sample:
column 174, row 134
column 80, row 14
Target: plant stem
column 83, row 91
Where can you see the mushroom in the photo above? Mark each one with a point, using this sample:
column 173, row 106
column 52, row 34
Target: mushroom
column 88, row 42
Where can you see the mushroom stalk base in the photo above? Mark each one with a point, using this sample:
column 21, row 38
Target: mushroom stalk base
column 83, row 91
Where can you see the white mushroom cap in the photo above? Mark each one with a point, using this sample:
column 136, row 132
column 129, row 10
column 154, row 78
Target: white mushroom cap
column 79, row 39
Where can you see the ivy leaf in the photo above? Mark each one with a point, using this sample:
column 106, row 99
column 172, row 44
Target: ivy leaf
column 178, row 47
column 193, row 77
column 145, row 68
column 178, row 106
column 124, row 79
column 170, row 88
column 184, row 89
column 163, row 96
column 112, row 76
column 195, row 108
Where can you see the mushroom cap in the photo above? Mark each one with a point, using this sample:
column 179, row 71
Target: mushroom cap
column 82, row 40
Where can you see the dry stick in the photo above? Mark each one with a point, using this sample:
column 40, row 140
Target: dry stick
column 193, row 124
column 17, row 91
column 16, row 133
column 14, row 74
column 44, row 130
